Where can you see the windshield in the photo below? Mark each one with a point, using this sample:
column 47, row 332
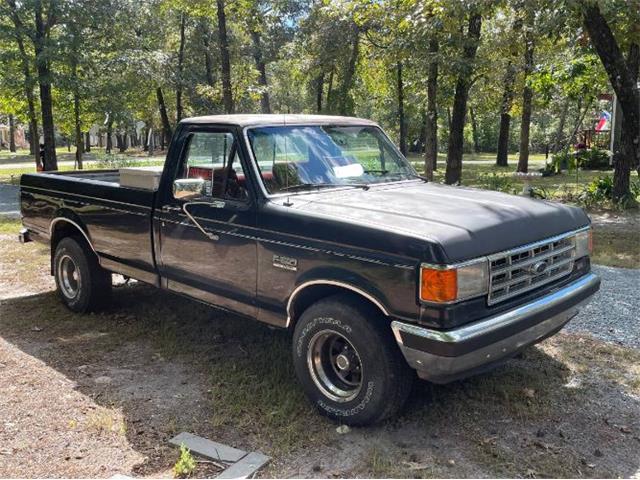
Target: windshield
column 300, row 157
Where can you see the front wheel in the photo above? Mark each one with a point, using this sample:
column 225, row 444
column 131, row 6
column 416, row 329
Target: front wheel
column 83, row 285
column 348, row 363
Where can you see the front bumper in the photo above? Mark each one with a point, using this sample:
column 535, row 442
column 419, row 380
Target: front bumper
column 441, row 356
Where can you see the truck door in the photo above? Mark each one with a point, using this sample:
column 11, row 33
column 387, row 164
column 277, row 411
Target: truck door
column 204, row 221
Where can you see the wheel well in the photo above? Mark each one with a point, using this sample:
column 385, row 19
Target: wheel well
column 63, row 228
column 309, row 295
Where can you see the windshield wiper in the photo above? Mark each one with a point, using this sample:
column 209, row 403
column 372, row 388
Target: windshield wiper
column 302, row 186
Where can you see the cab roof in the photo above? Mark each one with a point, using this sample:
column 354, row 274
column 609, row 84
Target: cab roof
column 251, row 120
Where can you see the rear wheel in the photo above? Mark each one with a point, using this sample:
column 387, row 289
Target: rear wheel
column 348, row 363
column 82, row 284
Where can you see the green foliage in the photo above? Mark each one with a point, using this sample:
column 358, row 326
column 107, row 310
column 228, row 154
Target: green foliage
column 540, row 192
column 185, row 465
column 594, row 159
column 496, row 181
column 587, row 159
column 599, row 193
column 116, row 161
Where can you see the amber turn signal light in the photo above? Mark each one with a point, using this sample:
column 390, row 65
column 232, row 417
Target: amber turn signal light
column 438, row 285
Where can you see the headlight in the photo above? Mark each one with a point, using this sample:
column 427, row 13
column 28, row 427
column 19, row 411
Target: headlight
column 584, row 243
column 444, row 284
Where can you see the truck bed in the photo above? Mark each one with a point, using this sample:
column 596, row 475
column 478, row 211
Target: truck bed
column 117, row 220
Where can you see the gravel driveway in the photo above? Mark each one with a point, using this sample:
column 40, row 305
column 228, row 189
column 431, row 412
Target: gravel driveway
column 613, row 314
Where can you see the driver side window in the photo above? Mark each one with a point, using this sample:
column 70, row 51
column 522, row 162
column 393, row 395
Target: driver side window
column 211, row 161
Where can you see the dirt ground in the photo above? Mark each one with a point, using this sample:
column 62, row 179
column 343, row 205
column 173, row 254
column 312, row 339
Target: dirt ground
column 96, row 395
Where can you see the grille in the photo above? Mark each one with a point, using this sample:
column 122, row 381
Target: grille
column 522, row 269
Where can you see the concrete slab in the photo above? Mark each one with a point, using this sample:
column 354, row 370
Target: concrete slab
column 246, row 467
column 207, row 448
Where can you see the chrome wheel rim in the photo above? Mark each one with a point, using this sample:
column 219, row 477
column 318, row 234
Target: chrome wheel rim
column 69, row 276
column 335, row 366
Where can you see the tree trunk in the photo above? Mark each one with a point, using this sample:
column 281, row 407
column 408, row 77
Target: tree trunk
column 633, row 63
column 227, row 95
column 12, row 134
column 87, row 141
column 166, row 126
column 431, row 121
column 401, row 119
column 109, row 135
column 27, row 84
column 423, row 127
column 179, row 80
column 265, row 106
column 78, row 130
column 330, row 107
column 557, row 142
column 150, row 141
column 527, row 105
column 208, row 61
column 624, row 84
column 474, row 131
column 76, row 107
column 41, row 44
column 456, row 134
column 345, row 100
column 502, row 155
column 319, row 92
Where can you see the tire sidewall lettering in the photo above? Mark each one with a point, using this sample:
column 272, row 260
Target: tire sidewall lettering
column 330, row 321
column 351, row 411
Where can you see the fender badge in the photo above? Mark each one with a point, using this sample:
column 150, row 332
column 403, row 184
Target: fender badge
column 286, row 263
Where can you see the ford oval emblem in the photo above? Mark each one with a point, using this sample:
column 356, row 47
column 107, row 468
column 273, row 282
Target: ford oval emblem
column 538, row 268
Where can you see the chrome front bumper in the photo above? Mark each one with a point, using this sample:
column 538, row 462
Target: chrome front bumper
column 441, row 356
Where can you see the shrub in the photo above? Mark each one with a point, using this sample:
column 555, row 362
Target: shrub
column 563, row 161
column 541, row 193
column 597, row 192
column 594, row 159
column 600, row 191
column 494, row 181
column 185, row 465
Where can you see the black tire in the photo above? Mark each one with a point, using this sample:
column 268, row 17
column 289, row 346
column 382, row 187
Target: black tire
column 83, row 285
column 370, row 394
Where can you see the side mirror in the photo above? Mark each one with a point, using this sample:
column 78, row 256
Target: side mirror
column 188, row 188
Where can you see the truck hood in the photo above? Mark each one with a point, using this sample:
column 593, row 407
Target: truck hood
column 465, row 222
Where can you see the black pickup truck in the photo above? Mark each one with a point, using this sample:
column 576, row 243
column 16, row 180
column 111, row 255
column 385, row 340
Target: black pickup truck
column 319, row 225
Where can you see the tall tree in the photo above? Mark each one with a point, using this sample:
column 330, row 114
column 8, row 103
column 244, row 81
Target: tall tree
column 12, row 133
column 45, row 18
column 624, row 82
column 346, row 106
column 453, row 172
column 25, row 61
column 180, row 79
column 162, row 106
column 527, row 99
column 227, row 92
column 502, row 154
column 401, row 117
column 509, row 79
column 431, row 123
